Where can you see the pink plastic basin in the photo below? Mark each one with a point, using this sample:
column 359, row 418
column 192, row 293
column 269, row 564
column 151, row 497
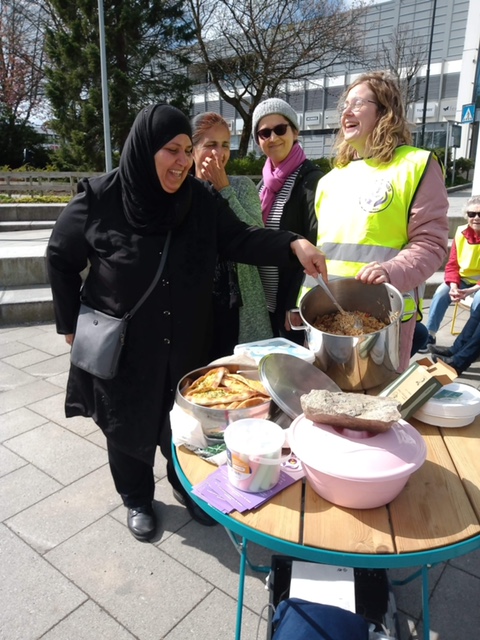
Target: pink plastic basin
column 356, row 469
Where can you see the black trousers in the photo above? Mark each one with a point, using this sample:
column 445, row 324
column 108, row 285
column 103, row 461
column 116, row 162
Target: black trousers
column 133, row 478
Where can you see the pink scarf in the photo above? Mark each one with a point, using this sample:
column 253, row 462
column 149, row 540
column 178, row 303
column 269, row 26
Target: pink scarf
column 274, row 177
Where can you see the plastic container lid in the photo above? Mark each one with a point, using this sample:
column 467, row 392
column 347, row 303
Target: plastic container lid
column 254, row 437
column 455, row 401
column 256, row 350
column 287, row 378
column 358, row 455
column 449, row 423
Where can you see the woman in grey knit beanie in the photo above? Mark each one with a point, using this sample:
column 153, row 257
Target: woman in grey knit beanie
column 287, row 194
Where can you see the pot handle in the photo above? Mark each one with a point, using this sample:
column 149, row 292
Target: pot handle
column 411, row 312
column 301, row 327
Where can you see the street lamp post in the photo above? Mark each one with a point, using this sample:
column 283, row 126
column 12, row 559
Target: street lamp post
column 427, row 77
column 104, row 78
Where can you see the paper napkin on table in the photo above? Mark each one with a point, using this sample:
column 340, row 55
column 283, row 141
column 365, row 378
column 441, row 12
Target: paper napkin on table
column 221, row 494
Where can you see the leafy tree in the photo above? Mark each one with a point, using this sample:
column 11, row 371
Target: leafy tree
column 145, row 50
column 249, row 49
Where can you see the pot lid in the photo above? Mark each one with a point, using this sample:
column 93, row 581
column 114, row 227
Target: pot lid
column 454, row 401
column 287, row 378
column 358, row 455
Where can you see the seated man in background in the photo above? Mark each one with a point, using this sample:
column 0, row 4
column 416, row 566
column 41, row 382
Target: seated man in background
column 462, row 271
column 466, row 348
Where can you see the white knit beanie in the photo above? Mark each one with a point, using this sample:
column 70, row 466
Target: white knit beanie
column 269, row 107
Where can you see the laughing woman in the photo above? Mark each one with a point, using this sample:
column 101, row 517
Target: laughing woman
column 119, row 224
column 242, row 318
column 382, row 210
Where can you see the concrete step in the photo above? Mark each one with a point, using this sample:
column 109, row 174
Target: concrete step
column 26, row 225
column 22, row 257
column 29, row 212
column 22, row 305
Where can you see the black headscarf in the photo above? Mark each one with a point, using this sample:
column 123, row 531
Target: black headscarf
column 148, row 208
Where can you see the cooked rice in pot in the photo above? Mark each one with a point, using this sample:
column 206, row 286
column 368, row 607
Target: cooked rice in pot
column 343, row 324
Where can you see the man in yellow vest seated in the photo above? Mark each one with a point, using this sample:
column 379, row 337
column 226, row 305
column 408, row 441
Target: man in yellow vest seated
column 382, row 210
column 462, row 271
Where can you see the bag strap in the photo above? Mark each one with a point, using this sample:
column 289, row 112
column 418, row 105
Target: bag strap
column 155, row 280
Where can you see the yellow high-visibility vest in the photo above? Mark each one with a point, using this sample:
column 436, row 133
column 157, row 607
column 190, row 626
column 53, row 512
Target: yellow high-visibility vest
column 376, row 199
column 468, row 256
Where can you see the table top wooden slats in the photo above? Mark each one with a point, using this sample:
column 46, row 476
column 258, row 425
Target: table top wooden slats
column 418, row 523
column 413, row 522
column 338, row 529
column 464, row 447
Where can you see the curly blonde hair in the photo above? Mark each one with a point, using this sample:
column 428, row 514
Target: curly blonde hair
column 392, row 128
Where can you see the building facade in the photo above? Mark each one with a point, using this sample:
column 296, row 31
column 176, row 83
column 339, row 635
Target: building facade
column 439, row 40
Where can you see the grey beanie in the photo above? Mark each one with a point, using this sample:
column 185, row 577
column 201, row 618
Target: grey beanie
column 269, row 107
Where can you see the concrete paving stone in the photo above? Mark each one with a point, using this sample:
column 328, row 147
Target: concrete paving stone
column 11, row 377
column 408, row 596
column 455, row 594
column 9, row 461
column 25, row 394
column 34, row 595
column 26, row 358
column 60, row 380
column 20, row 333
column 53, row 408
column 88, row 622
column 212, row 553
column 51, row 367
column 139, row 585
column 22, row 488
column 75, row 507
column 49, row 342
column 67, row 456
column 19, row 421
column 469, row 563
column 214, row 618
column 97, row 437
column 8, row 349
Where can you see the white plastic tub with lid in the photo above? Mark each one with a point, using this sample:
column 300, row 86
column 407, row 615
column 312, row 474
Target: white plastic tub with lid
column 454, row 405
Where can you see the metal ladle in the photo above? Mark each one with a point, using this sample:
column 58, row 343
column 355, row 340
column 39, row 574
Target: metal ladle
column 357, row 322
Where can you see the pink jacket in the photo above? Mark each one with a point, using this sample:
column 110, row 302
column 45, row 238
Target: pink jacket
column 426, row 249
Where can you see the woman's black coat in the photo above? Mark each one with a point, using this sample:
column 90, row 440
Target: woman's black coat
column 170, row 334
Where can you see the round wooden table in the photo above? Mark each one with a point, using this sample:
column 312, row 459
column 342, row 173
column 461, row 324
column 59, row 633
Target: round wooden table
column 435, row 518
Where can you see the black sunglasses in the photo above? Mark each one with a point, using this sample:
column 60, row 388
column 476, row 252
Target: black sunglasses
column 470, row 214
column 278, row 130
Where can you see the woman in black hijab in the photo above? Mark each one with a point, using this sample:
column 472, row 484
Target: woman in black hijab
column 118, row 224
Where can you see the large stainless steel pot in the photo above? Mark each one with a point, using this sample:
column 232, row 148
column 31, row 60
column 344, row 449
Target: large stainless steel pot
column 360, row 362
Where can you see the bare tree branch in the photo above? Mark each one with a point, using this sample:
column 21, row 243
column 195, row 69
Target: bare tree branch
column 250, row 49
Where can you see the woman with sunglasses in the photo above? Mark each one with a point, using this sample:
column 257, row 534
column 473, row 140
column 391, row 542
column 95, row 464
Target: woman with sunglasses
column 382, row 210
column 240, row 310
column 287, row 192
column 462, row 271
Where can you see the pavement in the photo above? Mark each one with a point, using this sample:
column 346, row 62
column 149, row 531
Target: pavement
column 70, row 569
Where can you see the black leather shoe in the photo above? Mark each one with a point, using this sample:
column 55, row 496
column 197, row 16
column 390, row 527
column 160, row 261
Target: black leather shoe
column 440, row 351
column 447, row 360
column 142, row 522
column 194, row 510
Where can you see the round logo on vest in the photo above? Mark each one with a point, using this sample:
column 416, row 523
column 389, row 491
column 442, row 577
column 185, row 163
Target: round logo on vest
column 378, row 198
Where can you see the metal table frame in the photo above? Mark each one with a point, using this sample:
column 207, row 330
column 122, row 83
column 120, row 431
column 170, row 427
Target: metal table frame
column 241, row 534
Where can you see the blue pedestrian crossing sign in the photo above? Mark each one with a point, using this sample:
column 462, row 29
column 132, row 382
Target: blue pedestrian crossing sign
column 468, row 113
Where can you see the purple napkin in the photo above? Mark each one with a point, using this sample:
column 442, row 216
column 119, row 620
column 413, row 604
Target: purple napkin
column 221, row 494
